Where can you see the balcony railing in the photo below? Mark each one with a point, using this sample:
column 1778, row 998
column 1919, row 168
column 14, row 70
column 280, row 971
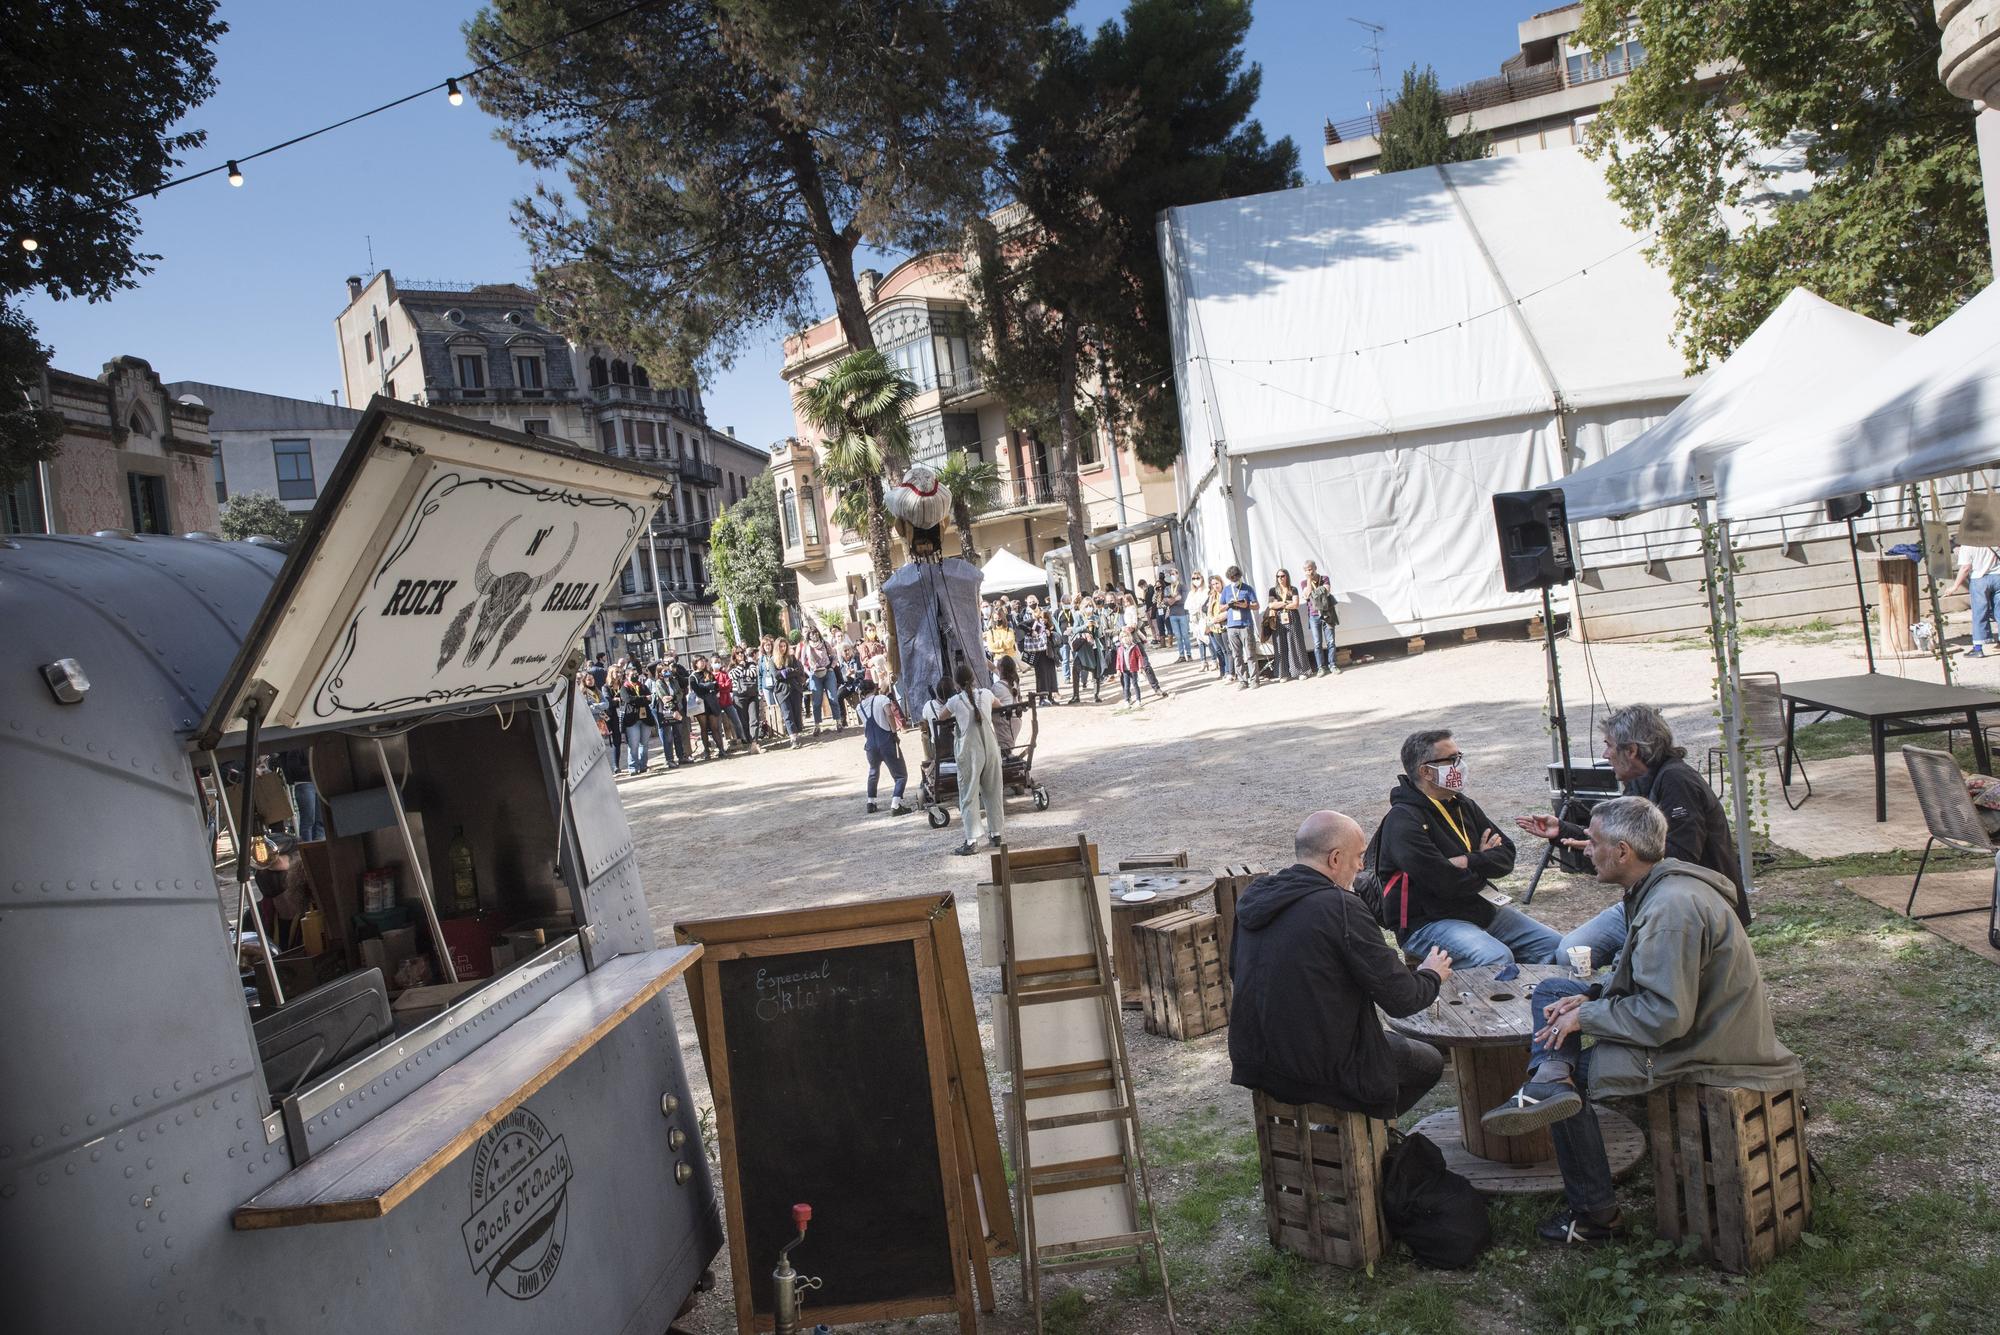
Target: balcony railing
column 697, row 472
column 442, row 394
column 961, row 383
column 1510, row 86
column 1018, row 493
column 665, row 398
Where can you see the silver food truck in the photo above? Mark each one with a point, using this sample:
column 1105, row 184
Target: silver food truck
column 412, row 1071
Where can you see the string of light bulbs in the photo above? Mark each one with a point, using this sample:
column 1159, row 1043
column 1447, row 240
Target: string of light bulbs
column 450, row 87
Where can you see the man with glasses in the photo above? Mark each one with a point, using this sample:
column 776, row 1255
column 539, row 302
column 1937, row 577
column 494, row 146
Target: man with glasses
column 1239, row 601
column 1438, row 851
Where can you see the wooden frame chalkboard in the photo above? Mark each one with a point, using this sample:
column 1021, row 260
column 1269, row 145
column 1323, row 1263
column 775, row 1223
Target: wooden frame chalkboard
column 839, row 1079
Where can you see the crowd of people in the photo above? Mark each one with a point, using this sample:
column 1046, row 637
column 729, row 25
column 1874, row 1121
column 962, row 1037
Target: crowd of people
column 709, row 708
column 1683, row 999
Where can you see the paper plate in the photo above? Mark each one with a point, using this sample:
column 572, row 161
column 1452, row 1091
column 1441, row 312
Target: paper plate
column 1137, row 896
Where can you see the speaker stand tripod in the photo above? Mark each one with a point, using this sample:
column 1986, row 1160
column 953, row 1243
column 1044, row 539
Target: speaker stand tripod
column 1566, row 792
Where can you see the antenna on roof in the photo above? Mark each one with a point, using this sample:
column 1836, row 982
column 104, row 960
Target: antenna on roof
column 371, row 244
column 1373, row 46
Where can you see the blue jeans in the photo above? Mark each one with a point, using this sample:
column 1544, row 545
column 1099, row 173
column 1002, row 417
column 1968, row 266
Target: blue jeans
column 1320, row 634
column 1511, row 937
column 635, row 745
column 672, row 748
column 1183, row 642
column 1128, row 682
column 311, row 825
column 1219, row 646
column 890, row 756
column 1586, row 1169
column 1604, row 934
column 1985, row 590
column 826, row 687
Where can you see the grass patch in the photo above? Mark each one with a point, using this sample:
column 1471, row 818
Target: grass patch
column 1837, row 737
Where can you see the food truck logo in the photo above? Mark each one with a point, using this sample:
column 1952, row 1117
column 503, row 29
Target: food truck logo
column 503, row 602
column 520, row 1206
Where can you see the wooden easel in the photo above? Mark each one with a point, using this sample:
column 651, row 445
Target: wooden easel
column 1086, row 1203
column 981, row 1199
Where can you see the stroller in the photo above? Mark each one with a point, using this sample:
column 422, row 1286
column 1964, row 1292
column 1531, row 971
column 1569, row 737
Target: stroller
column 938, row 775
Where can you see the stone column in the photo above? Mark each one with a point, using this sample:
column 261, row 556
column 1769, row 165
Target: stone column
column 1969, row 64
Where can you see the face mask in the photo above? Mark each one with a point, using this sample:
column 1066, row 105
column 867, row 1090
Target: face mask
column 1450, row 777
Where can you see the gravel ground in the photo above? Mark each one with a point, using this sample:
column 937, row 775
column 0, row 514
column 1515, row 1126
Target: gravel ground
column 1223, row 773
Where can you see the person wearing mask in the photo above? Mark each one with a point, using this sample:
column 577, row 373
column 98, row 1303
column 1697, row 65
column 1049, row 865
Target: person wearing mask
column 1309, row 969
column 1000, row 641
column 1239, row 603
column 1084, row 659
column 705, row 710
column 1287, row 624
column 767, row 688
column 670, row 718
column 1437, row 854
column 874, row 656
column 980, row 807
column 1979, row 569
column 1640, row 748
column 1685, row 1005
column 1322, row 620
column 634, row 713
column 1040, row 632
column 1214, row 615
column 790, row 678
column 1178, row 620
column 1149, row 607
column 882, row 744
column 816, row 656
column 743, row 690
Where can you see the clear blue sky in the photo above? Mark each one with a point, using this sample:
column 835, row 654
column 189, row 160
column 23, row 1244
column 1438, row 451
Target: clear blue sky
column 250, row 279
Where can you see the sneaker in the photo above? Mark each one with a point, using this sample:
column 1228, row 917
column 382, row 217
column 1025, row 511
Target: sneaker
column 1976, row 651
column 871, row 808
column 993, row 841
column 1534, row 1105
column 962, row 851
column 1569, row 1228
column 898, row 809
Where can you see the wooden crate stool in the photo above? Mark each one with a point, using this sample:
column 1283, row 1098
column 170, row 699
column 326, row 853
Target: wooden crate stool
column 1180, row 965
column 1729, row 1167
column 1141, row 861
column 1322, row 1170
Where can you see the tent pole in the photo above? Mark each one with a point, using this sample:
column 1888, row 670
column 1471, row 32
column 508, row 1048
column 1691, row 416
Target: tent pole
column 1728, row 685
column 1930, row 582
column 1860, row 592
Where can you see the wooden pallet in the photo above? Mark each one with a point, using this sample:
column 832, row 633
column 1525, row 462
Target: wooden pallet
column 1180, row 963
column 1085, row 1201
column 1322, row 1171
column 1141, row 861
column 1729, row 1169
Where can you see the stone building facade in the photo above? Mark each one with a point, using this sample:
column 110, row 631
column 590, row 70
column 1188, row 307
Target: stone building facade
column 131, row 458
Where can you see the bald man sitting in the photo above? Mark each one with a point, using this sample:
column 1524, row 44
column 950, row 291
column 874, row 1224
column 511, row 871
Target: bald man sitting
column 1310, row 967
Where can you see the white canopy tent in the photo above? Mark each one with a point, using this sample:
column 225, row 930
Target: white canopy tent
column 1362, row 364
column 1005, row 572
column 1804, row 355
column 1933, row 409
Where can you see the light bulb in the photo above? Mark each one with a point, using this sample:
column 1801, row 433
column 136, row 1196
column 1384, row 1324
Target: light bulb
column 451, row 93
column 29, row 243
column 235, row 173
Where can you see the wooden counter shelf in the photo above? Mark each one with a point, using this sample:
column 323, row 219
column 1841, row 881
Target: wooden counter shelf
column 376, row 1167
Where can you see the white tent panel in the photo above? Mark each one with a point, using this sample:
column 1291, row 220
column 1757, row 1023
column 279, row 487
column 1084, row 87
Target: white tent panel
column 1805, row 353
column 1005, row 572
column 1931, row 410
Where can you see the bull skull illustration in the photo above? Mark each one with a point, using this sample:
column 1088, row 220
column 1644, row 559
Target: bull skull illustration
column 502, row 602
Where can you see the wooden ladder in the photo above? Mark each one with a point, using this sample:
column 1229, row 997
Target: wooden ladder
column 1119, row 1176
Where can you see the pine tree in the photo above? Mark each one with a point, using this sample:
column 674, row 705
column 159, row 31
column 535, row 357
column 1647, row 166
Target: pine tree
column 1416, row 129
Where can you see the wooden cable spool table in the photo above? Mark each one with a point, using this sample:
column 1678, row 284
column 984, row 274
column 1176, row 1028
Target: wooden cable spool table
column 1486, row 1026
column 1163, row 889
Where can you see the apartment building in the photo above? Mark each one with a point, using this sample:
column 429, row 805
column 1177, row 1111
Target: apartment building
column 269, row 443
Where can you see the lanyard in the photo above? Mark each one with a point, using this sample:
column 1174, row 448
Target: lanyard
column 1455, row 827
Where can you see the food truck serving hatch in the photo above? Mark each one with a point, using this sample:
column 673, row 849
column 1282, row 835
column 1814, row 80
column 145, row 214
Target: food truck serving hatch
column 448, row 563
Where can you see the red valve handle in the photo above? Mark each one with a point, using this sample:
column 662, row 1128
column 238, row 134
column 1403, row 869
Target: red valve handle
column 802, row 1215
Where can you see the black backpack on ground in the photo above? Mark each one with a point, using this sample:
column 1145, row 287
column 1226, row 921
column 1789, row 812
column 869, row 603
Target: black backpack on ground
column 1432, row 1210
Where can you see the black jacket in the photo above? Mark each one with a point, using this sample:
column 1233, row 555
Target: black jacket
column 1417, row 841
column 1310, row 966
column 1697, row 826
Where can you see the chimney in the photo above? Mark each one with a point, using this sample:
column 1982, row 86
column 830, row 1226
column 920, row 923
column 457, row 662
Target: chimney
column 353, row 288
column 867, row 281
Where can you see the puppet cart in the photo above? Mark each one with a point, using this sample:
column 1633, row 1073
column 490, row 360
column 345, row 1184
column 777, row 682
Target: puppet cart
column 938, row 776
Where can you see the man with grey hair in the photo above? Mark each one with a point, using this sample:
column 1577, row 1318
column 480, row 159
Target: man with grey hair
column 1685, row 1003
column 1640, row 748
column 1310, row 966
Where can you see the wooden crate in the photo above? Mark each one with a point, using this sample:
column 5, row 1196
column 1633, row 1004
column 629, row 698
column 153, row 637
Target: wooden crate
column 1141, row 861
column 1729, row 1168
column 1322, row 1170
column 1229, row 886
column 1180, row 963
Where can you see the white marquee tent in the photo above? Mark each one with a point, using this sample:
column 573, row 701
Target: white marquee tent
column 1005, row 572
column 1362, row 364
column 1804, row 355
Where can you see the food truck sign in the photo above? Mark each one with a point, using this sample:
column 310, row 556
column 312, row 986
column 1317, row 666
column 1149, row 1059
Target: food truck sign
column 448, row 563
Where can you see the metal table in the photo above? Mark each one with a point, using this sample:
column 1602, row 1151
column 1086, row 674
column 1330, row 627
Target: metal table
column 1893, row 707
column 1171, row 888
column 1485, row 1024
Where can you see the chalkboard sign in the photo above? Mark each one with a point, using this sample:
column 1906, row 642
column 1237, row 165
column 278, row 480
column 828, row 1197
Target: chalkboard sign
column 842, row 1049
column 830, row 1095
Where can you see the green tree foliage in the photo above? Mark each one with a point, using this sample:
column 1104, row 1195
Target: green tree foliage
column 1895, row 223
column 1416, row 131
column 1149, row 112
column 89, row 97
column 719, row 151
column 973, row 484
column 250, row 514
column 746, row 561
column 858, row 407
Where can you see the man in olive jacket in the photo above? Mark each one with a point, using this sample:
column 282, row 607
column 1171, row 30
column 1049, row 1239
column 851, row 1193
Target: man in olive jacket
column 1685, row 1004
column 1310, row 966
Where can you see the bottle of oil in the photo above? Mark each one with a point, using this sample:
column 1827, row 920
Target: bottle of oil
column 464, row 883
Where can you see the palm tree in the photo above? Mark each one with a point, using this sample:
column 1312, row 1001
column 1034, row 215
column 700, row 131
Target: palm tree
column 857, row 407
column 973, row 484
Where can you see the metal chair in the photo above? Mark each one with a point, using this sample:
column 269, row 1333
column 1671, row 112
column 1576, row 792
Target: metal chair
column 1952, row 820
column 1764, row 731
